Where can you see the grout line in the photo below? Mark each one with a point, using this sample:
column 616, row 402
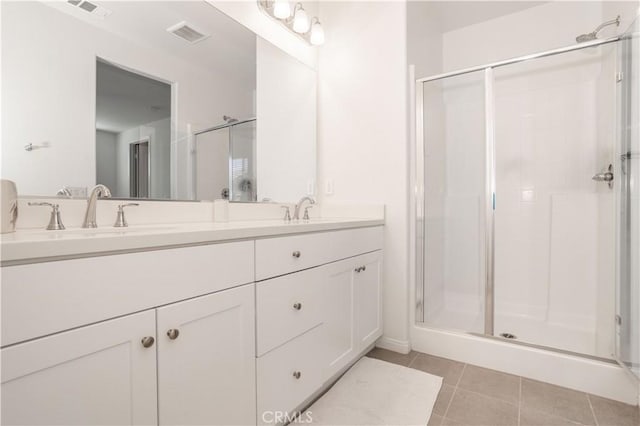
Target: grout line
column 455, row 389
column 413, row 359
column 464, row 367
column 593, row 413
column 519, row 399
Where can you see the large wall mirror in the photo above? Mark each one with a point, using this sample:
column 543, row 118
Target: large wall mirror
column 156, row 100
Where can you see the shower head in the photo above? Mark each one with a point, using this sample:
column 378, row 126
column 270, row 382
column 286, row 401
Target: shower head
column 582, row 38
column 229, row 119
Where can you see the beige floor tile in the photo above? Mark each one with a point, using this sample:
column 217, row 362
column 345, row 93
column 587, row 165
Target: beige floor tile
column 614, row 413
column 444, row 397
column 393, row 357
column 531, row 417
column 558, row 401
column 435, row 420
column 473, row 409
column 491, row 383
column 448, row 422
column 450, row 371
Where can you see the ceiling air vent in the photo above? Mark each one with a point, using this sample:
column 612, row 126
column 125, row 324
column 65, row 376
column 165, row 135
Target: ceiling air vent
column 92, row 8
column 187, row 32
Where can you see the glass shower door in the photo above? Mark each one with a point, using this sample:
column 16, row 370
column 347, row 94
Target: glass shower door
column 555, row 224
column 453, row 238
column 628, row 279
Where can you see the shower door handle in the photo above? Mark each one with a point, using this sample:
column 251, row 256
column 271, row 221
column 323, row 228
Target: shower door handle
column 605, row 176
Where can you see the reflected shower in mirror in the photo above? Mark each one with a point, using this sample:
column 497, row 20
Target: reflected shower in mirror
column 133, row 126
column 226, row 161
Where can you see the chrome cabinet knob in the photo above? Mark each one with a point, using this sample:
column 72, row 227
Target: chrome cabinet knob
column 147, row 341
column 297, row 374
column 297, row 306
column 296, row 254
column 364, row 268
column 173, row 333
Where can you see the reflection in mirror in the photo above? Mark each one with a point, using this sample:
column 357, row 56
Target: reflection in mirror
column 121, row 96
column 133, row 126
column 226, row 161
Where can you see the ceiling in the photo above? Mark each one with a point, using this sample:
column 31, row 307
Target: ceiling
column 126, row 100
column 458, row 14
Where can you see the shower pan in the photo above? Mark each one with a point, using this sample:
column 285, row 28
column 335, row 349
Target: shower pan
column 527, row 200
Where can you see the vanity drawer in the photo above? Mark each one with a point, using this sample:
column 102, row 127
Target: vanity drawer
column 45, row 298
column 279, row 388
column 279, row 256
column 286, row 307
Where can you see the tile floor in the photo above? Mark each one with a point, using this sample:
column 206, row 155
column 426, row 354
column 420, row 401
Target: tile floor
column 474, row 396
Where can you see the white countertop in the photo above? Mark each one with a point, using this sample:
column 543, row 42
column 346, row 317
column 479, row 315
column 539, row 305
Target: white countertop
column 36, row 245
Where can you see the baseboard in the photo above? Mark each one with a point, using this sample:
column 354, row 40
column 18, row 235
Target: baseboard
column 395, row 345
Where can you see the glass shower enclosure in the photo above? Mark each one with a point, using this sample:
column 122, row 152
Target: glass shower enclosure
column 225, row 162
column 527, row 207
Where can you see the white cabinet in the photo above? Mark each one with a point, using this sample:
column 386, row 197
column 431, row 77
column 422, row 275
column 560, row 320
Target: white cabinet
column 218, row 348
column 352, row 291
column 343, row 319
column 367, row 290
column 206, row 360
column 104, row 374
column 98, row 374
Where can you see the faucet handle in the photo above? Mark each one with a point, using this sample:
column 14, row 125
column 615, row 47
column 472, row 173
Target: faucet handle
column 306, row 213
column 55, row 222
column 287, row 213
column 121, row 221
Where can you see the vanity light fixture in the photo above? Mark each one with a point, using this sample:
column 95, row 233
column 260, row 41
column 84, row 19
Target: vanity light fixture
column 300, row 19
column 281, row 9
column 317, row 33
column 295, row 19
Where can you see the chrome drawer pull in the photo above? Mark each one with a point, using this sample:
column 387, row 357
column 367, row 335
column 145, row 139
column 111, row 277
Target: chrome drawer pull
column 296, row 254
column 297, row 306
column 147, row 341
column 297, row 374
column 173, row 333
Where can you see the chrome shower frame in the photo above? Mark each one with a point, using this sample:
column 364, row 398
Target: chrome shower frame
column 490, row 178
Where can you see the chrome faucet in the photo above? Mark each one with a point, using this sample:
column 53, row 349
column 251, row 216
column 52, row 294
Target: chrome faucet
column 296, row 212
column 90, row 215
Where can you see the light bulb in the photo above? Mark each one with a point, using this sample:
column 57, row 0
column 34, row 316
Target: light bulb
column 317, row 33
column 300, row 21
column 281, row 9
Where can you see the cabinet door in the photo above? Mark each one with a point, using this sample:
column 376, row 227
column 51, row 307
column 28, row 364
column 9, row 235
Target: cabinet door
column 339, row 325
column 368, row 299
column 206, row 364
column 98, row 374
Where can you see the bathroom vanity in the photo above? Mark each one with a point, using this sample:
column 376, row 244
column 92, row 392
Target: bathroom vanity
column 256, row 320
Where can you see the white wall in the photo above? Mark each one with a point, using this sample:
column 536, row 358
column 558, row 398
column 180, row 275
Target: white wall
column 36, row 52
column 362, row 131
column 106, row 158
column 249, row 14
column 286, row 127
